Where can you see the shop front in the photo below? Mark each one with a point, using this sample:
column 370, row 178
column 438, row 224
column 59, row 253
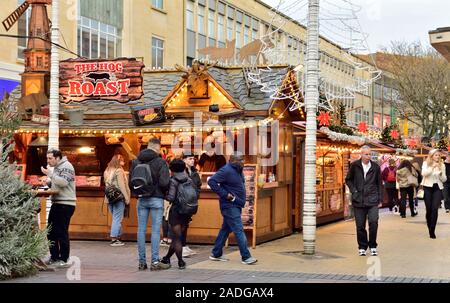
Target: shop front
column 209, row 112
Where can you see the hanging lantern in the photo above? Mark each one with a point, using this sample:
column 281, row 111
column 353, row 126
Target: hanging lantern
column 324, row 119
column 394, row 134
column 362, row 127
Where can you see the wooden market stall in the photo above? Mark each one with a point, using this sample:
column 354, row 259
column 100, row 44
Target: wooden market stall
column 333, row 158
column 183, row 108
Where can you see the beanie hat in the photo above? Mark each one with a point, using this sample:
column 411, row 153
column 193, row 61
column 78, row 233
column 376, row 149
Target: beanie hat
column 177, row 166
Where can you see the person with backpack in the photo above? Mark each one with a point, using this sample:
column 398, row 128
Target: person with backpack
column 183, row 195
column 406, row 182
column 192, row 173
column 229, row 184
column 116, row 179
column 149, row 181
column 389, row 176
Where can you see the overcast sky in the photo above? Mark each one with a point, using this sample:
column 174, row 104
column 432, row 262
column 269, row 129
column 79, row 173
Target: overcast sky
column 399, row 20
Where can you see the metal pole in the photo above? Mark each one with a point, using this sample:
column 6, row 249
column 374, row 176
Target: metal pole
column 311, row 101
column 53, row 128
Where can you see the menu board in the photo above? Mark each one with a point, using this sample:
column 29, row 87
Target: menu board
column 249, row 173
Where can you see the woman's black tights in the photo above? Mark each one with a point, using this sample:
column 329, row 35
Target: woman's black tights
column 176, row 247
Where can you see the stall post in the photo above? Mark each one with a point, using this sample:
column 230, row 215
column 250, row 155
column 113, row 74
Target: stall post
column 311, row 100
column 53, row 128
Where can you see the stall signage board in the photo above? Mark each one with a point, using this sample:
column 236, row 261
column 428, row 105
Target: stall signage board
column 114, row 80
column 148, row 115
column 41, row 119
column 248, row 211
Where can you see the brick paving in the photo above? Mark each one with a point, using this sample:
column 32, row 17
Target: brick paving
column 407, row 255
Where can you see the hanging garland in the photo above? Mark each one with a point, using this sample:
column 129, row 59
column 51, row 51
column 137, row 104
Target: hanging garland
column 334, row 136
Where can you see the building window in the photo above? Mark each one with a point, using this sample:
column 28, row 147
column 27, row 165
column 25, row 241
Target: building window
column 211, row 24
column 22, row 23
column 220, row 28
column 238, row 34
column 98, row 40
column 246, row 35
column 230, row 32
column 157, row 53
column 201, row 19
column 158, row 4
column 190, row 15
column 358, row 115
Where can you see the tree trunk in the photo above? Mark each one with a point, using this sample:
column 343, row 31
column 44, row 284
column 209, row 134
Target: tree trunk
column 312, row 101
column 53, row 131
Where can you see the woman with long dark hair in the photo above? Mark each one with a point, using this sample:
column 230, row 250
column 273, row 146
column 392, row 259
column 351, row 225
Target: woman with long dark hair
column 433, row 172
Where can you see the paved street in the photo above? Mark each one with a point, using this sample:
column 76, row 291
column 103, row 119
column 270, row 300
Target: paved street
column 406, row 255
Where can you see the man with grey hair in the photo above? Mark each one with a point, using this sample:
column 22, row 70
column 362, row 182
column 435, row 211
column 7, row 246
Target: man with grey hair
column 229, row 184
column 149, row 166
column 365, row 183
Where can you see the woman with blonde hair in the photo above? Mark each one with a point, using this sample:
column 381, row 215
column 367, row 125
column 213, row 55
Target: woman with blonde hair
column 433, row 172
column 115, row 175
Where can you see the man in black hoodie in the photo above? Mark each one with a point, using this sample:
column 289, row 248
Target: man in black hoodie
column 153, row 203
column 365, row 183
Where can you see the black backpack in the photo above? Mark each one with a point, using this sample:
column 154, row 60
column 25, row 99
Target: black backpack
column 187, row 198
column 112, row 192
column 141, row 180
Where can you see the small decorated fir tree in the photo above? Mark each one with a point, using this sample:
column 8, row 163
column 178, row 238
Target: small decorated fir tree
column 21, row 242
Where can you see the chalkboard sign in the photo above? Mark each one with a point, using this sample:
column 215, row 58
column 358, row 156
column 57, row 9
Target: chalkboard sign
column 248, row 212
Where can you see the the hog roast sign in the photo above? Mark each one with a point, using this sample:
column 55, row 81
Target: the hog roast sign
column 117, row 80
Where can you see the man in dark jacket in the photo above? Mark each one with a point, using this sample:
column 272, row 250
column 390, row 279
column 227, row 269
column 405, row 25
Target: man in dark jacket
column 446, row 190
column 365, row 183
column 229, row 184
column 153, row 203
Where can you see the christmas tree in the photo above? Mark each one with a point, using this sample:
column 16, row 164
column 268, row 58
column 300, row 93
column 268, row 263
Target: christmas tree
column 21, row 242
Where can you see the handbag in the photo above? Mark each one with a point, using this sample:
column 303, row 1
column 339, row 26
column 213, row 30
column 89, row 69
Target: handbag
column 113, row 193
column 420, row 194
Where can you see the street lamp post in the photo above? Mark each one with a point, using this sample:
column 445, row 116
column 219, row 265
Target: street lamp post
column 53, row 128
column 311, row 103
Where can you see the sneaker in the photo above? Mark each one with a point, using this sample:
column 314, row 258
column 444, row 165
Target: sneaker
column 447, row 211
column 116, row 243
column 181, row 265
column 143, row 266
column 373, row 252
column 192, row 252
column 362, row 252
column 395, row 209
column 159, row 266
column 186, row 253
column 164, row 243
column 60, row 264
column 50, row 261
column 250, row 261
column 221, row 258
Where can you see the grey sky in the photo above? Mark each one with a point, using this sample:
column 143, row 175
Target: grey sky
column 400, row 20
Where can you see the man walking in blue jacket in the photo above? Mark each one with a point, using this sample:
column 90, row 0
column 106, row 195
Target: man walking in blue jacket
column 229, row 184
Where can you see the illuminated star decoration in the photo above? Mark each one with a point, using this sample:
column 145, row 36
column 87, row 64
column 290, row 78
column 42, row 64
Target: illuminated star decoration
column 324, row 119
column 411, row 143
column 362, row 127
column 394, row 134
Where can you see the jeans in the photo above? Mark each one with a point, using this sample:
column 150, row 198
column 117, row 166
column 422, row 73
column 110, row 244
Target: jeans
column 361, row 215
column 432, row 197
column 117, row 210
column 232, row 222
column 59, row 221
column 156, row 207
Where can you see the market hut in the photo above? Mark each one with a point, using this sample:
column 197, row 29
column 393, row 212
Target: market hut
column 184, row 107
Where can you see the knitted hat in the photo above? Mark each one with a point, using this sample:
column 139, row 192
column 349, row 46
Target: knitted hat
column 177, row 166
